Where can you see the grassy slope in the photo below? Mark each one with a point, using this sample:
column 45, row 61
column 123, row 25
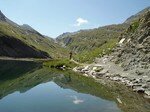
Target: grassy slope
column 33, row 39
column 89, row 44
column 59, row 63
column 106, row 48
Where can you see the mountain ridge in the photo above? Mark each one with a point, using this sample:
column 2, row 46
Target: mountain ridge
column 137, row 16
column 88, row 44
column 29, row 37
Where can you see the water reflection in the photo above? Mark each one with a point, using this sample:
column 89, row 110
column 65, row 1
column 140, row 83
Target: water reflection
column 33, row 88
column 50, row 97
column 13, row 69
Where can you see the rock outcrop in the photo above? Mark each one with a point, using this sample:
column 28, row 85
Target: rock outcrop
column 133, row 54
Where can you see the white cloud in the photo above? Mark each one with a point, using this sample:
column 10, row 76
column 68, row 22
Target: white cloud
column 76, row 100
column 81, row 21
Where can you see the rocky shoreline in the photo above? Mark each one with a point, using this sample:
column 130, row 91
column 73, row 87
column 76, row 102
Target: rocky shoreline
column 105, row 71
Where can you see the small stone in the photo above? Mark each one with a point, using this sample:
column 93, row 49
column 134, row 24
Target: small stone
column 64, row 66
column 79, row 68
column 93, row 76
column 137, row 81
column 138, row 72
column 85, row 75
column 148, row 80
column 91, row 72
column 94, row 73
column 139, row 90
column 86, row 67
column 129, row 84
column 144, row 86
column 86, row 72
column 137, row 84
column 115, row 79
column 147, row 93
column 94, row 68
column 118, row 99
column 145, row 76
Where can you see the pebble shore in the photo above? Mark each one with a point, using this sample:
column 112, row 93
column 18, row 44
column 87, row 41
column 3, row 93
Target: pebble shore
column 140, row 85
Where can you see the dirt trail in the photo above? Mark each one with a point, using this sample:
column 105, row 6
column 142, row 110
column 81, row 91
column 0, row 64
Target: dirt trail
column 81, row 64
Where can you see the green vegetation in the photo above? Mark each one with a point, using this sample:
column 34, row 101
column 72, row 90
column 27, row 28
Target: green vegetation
column 88, row 44
column 87, row 40
column 98, row 69
column 97, row 52
column 33, row 39
column 59, row 63
column 134, row 25
column 13, row 69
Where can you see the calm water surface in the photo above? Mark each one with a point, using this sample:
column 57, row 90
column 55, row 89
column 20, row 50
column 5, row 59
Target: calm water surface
column 49, row 97
column 28, row 87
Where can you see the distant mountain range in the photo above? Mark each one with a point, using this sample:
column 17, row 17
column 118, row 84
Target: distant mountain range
column 88, row 39
column 22, row 41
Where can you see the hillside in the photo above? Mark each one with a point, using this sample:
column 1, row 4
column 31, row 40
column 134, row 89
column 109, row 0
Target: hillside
column 133, row 52
column 88, row 44
column 12, row 47
column 129, row 61
column 137, row 16
column 22, row 41
column 89, row 39
column 97, row 42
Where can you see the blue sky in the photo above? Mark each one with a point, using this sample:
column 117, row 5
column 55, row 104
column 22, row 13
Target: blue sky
column 53, row 17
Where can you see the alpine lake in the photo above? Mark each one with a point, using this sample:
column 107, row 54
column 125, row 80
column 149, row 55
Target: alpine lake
column 30, row 87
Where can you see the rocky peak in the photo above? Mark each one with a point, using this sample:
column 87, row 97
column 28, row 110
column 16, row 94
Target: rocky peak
column 27, row 27
column 2, row 16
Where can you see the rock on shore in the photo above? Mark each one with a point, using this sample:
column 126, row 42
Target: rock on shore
column 103, row 68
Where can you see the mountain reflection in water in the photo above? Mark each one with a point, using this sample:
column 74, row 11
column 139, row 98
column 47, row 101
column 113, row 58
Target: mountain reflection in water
column 27, row 87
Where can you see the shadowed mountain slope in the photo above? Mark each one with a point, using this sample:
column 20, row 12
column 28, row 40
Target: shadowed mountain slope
column 25, row 42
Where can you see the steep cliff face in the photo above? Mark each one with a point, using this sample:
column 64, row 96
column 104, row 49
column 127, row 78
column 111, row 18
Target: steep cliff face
column 133, row 52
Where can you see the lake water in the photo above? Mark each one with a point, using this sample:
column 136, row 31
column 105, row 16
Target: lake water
column 26, row 87
column 49, row 97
